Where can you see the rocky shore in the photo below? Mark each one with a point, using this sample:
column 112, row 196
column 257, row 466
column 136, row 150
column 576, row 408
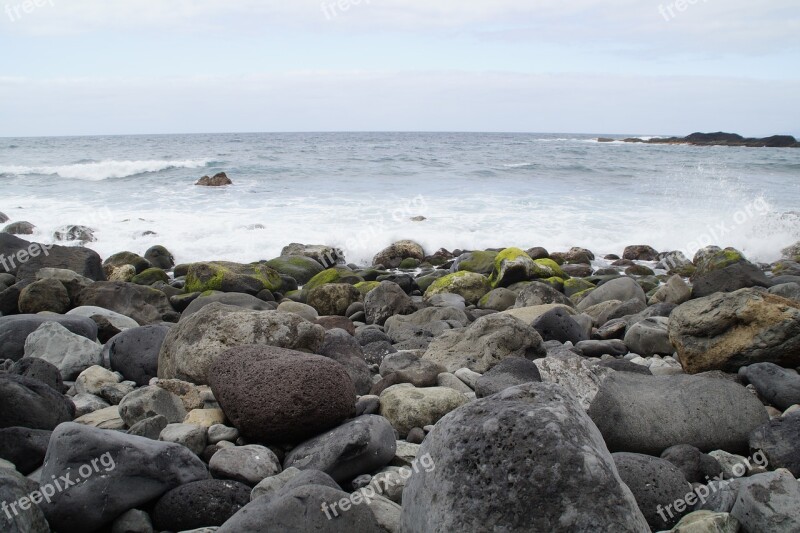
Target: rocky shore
column 717, row 139
column 488, row 390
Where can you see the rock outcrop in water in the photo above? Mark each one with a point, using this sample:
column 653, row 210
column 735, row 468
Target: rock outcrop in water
column 719, row 139
column 481, row 390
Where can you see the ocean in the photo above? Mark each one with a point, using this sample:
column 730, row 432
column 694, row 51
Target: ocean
column 359, row 192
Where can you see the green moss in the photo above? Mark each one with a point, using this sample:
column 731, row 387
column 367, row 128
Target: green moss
column 226, row 276
column 574, row 286
column 553, row 267
column 202, row 282
column 365, row 287
column 332, row 275
column 555, row 282
column 479, row 262
column 470, row 285
column 423, row 282
column 150, row 276
column 578, row 296
column 510, row 266
column 409, row 263
column 718, row 260
column 299, row 267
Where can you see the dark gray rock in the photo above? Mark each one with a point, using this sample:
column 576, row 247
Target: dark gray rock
column 485, row 458
column 376, row 352
column 150, row 427
column 44, row 295
column 643, row 414
column 300, row 510
column 655, row 483
column 24, row 447
column 344, row 349
column 779, row 386
column 239, row 299
column 411, row 369
column 160, row 257
column 47, row 373
column 779, row 439
column 204, row 503
column 790, row 291
column 14, row 519
column 82, row 261
column 143, row 304
column 29, row 403
column 729, row 279
column 359, row 446
column 507, row 373
column 369, row 334
column 621, row 289
column 623, row 365
column 134, row 352
column 594, row 348
column 649, row 337
column 130, row 471
column 697, row 467
column 559, row 325
column 15, row 329
column 768, row 502
column 386, row 300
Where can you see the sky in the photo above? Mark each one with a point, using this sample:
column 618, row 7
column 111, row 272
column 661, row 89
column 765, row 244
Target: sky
column 647, row 67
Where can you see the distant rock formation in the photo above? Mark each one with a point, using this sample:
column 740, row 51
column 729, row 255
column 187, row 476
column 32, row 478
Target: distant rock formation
column 721, row 139
column 218, row 180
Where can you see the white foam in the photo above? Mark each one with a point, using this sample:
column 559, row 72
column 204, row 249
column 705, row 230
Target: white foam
column 101, row 170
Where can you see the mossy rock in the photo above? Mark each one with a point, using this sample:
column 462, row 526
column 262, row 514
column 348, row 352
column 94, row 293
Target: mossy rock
column 639, row 270
column 150, row 276
column 127, row 258
column 555, row 282
column 553, row 266
column 231, row 277
column 371, row 274
column 471, row 286
column 573, row 286
column 333, row 275
column 479, row 262
column 409, row 263
column 365, row 287
column 300, row 267
column 712, row 258
column 512, row 265
column 423, row 282
column 518, row 286
column 578, row 296
column 648, row 283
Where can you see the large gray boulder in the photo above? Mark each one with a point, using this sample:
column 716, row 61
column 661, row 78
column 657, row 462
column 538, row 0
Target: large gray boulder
column 779, row 440
column 768, row 502
column 386, row 300
column 728, row 279
column 779, row 386
column 127, row 472
column 80, row 260
column 649, row 337
column 29, row 403
column 70, row 353
column 648, row 414
column 621, row 289
column 134, row 352
column 145, row 305
column 725, row 331
column 194, row 344
column 14, row 330
column 499, row 463
column 238, row 299
column 538, row 293
column 425, row 323
column 359, row 446
column 486, row 342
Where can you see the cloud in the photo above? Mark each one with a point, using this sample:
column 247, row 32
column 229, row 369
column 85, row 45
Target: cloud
column 389, row 100
column 717, row 26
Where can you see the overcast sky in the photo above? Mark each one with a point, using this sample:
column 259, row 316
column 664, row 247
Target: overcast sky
column 72, row 67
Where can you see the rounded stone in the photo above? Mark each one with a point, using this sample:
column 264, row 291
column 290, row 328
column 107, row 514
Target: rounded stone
column 274, row 394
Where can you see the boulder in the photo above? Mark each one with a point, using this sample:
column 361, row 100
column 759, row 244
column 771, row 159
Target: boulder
column 674, row 291
column 409, row 368
column 333, row 298
column 127, row 472
column 24, row 447
column 779, row 386
column 493, row 469
column 67, row 351
column 509, row 372
column 343, row 348
column 302, row 509
column 408, row 407
column 220, row 179
column 14, row 330
column 143, row 304
column 778, row 439
column 621, row 289
column 728, row 330
column 40, row 369
column 231, row 277
column 656, row 484
column 498, row 299
column 359, row 446
column 640, row 252
column 385, row 301
column 44, row 295
column 134, row 352
column 697, row 467
column 248, row 464
column 478, row 261
column 486, row 342
column 151, row 401
column 472, row 287
column 237, row 299
column 729, row 279
column 575, row 374
column 644, row 414
column 78, row 259
column 204, row 503
column 277, row 395
column 649, row 337
column 22, row 517
column 558, row 325
column 424, row 324
column 191, row 347
column 768, row 502
column 299, row 267
column 538, row 293
column 327, row 256
column 393, row 255
column 122, row 259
